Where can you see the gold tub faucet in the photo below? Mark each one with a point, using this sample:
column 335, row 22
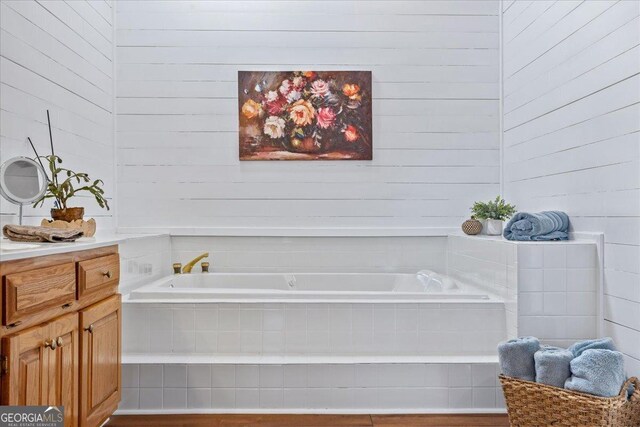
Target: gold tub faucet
column 188, row 266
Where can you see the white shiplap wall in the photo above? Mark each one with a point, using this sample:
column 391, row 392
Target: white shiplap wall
column 58, row 55
column 571, row 133
column 436, row 125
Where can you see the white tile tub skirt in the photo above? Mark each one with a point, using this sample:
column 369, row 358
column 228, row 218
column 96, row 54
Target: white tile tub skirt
column 311, row 388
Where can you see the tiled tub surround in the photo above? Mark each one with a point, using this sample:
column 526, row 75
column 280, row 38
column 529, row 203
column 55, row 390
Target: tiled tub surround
column 551, row 289
column 336, row 329
column 313, row 388
column 423, row 356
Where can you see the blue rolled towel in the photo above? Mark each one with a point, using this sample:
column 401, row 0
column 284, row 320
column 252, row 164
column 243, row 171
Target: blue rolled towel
column 548, row 225
column 516, row 357
column 552, row 365
column 601, row 343
column 597, row 371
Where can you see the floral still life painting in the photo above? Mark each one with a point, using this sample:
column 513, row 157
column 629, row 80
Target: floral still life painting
column 305, row 115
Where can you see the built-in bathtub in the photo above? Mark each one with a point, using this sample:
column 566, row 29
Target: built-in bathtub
column 306, row 288
column 311, row 342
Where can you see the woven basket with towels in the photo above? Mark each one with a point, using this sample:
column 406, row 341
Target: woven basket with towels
column 531, row 404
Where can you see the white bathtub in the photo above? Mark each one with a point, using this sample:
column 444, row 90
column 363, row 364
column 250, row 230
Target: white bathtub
column 302, row 287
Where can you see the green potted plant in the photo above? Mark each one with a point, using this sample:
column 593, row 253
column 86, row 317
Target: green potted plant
column 493, row 213
column 63, row 189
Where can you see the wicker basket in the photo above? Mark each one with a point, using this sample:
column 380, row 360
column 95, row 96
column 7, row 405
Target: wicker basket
column 535, row 405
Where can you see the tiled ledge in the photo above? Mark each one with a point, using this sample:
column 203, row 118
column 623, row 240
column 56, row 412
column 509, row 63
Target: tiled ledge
column 242, row 359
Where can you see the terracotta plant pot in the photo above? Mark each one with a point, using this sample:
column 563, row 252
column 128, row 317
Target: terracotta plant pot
column 68, row 214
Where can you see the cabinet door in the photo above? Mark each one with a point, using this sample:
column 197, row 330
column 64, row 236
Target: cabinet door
column 25, row 381
column 100, row 354
column 64, row 367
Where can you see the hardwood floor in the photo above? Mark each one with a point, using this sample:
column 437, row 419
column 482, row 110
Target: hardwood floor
column 308, row 420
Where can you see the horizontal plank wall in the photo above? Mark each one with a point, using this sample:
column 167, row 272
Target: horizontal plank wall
column 435, row 106
column 571, row 133
column 58, row 55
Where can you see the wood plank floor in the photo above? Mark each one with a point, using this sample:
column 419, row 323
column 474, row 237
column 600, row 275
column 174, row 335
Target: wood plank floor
column 308, row 420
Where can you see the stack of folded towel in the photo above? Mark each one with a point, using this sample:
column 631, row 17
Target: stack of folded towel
column 550, row 225
column 591, row 366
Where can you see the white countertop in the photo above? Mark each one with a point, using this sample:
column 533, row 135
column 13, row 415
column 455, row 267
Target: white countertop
column 39, row 249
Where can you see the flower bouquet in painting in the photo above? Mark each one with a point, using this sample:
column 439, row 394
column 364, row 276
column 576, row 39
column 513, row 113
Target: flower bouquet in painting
column 305, row 115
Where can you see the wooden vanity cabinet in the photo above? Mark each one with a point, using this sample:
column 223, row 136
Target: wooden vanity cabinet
column 100, row 375
column 60, row 339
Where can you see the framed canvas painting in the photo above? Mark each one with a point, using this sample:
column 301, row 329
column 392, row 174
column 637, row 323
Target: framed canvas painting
column 305, row 115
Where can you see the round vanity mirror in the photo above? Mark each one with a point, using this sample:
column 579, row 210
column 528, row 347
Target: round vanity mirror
column 22, row 181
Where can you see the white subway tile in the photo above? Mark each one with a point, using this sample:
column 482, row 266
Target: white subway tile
column 460, row 375
column 175, row 376
column 271, row 376
column 130, row 376
column 555, row 255
column 199, row 376
column 247, row 398
column 206, row 342
column 223, row 376
column 555, row 280
column 150, row 398
column 130, row 398
column 150, row 376
column 273, row 320
column 530, row 256
column 228, row 319
column 206, row 319
column 174, row 398
column 247, row 376
column 295, row 320
column 295, row 376
column 460, row 398
column 530, row 280
column 199, row 398
column 223, row 398
column 582, row 256
column 183, row 319
column 271, row 398
column 295, row 398
column 484, row 397
column 555, row 303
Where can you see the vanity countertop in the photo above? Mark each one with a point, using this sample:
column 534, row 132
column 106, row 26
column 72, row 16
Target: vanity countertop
column 10, row 251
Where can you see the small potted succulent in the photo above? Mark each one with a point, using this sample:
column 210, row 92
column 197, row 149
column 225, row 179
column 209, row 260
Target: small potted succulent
column 63, row 189
column 493, row 213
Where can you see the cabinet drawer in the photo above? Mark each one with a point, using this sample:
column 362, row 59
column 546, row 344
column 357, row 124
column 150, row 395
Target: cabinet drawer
column 97, row 274
column 32, row 291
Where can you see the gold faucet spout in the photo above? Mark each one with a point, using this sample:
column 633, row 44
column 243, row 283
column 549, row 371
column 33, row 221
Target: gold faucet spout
column 188, row 266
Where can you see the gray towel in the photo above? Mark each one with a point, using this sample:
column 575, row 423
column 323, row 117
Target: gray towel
column 516, row 357
column 601, row 343
column 31, row 233
column 552, row 365
column 548, row 225
column 598, row 372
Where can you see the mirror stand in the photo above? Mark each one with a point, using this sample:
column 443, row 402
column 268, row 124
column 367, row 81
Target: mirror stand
column 22, row 181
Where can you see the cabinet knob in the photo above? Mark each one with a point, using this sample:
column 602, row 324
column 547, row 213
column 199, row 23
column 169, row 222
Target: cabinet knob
column 89, row 328
column 51, row 344
column 107, row 274
column 60, row 342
